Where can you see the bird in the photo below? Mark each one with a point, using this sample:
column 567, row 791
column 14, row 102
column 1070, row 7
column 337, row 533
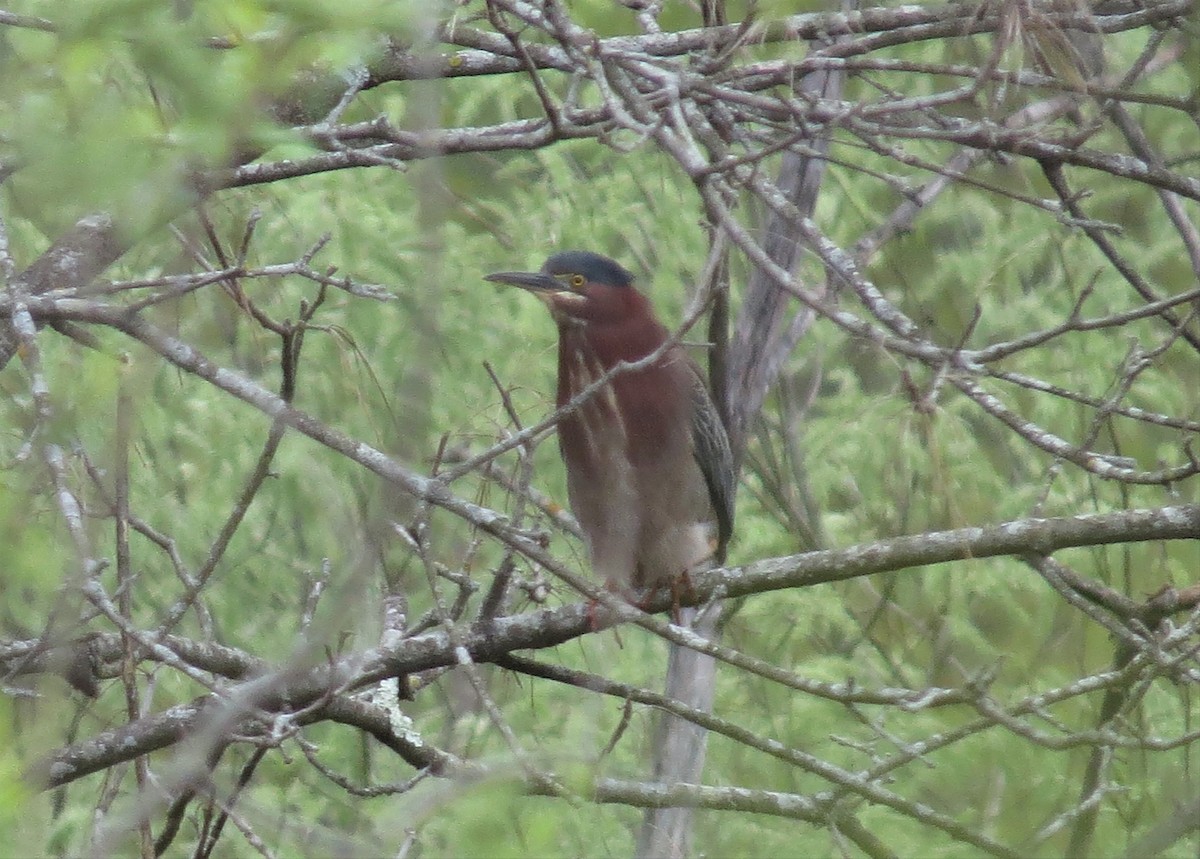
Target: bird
column 650, row 474
column 650, row 478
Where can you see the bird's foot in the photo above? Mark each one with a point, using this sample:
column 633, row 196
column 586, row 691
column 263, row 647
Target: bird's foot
column 595, row 621
column 681, row 589
column 600, row 616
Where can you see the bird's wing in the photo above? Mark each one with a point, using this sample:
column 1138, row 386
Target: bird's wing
column 710, row 446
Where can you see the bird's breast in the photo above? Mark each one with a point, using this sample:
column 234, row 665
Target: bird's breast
column 631, row 472
column 599, row 421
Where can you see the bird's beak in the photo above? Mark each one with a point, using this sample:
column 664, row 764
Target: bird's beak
column 551, row 291
column 533, row 281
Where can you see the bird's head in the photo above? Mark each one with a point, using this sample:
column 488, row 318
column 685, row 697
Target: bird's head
column 580, row 285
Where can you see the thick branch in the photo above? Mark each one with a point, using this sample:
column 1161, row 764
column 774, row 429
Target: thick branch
column 489, row 641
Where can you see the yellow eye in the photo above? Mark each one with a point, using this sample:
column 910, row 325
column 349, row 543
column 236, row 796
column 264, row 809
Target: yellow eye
column 578, row 280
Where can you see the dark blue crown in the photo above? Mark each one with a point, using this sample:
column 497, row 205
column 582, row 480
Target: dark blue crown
column 594, row 267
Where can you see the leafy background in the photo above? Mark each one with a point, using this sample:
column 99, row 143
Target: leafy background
column 110, row 111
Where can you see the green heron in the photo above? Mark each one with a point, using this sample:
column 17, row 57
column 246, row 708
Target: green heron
column 650, row 476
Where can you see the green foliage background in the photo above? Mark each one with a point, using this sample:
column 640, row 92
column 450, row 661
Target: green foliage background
column 91, row 132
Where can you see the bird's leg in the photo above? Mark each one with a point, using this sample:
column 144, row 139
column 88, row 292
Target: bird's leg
column 681, row 587
column 593, row 615
column 598, row 620
column 674, row 588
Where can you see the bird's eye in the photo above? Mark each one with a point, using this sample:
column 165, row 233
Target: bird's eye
column 578, row 280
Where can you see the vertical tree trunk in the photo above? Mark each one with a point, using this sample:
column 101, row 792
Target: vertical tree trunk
column 762, row 342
